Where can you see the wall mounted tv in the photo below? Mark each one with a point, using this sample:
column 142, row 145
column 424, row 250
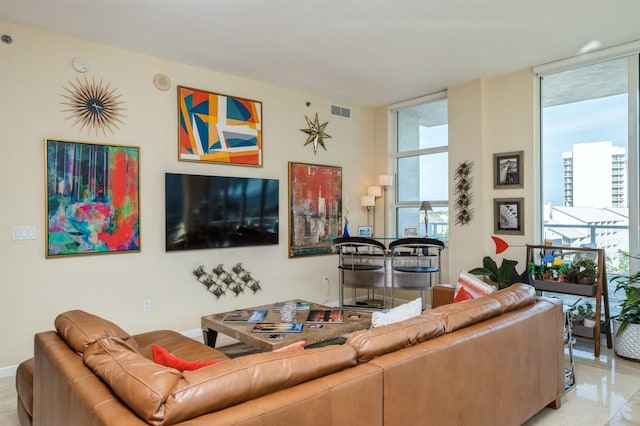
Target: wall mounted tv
column 204, row 212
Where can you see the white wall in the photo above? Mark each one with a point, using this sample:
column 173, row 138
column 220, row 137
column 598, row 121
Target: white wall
column 33, row 290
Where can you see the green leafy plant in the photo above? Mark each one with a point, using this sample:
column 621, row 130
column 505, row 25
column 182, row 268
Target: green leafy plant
column 586, row 310
column 584, row 269
column 503, row 276
column 630, row 305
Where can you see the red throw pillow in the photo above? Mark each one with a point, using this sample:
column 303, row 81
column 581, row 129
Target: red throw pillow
column 291, row 347
column 462, row 295
column 164, row 357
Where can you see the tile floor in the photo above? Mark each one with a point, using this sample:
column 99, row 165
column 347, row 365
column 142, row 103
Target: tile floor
column 607, row 392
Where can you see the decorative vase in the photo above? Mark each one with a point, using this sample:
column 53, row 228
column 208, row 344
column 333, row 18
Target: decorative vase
column 345, row 233
column 627, row 345
column 589, row 322
column 288, row 312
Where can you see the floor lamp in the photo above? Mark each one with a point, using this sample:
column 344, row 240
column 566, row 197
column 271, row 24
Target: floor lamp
column 374, row 191
column 385, row 181
column 368, row 201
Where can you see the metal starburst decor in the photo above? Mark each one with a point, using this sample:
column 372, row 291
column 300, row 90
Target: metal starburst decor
column 219, row 281
column 93, row 105
column 315, row 133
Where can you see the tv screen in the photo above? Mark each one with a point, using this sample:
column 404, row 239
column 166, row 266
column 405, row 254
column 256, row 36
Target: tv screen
column 204, row 212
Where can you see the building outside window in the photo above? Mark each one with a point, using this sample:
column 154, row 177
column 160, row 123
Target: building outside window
column 421, row 166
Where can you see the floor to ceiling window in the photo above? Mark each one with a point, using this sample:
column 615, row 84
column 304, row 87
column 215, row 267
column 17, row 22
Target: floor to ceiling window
column 421, row 166
column 588, row 168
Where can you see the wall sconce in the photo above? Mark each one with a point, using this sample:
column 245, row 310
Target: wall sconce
column 385, row 181
column 426, row 206
column 368, row 201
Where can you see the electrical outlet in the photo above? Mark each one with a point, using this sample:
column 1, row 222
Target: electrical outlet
column 325, row 281
column 146, row 305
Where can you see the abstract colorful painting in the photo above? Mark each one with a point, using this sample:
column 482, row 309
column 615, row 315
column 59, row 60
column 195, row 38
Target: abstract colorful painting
column 92, row 198
column 217, row 128
column 315, row 208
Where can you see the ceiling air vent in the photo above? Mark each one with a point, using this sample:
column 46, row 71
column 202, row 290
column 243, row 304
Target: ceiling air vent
column 340, row 111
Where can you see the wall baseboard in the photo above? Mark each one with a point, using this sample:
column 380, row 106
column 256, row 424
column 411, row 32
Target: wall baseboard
column 9, row 371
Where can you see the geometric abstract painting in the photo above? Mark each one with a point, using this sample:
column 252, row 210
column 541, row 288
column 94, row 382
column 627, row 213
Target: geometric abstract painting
column 92, row 200
column 217, row 128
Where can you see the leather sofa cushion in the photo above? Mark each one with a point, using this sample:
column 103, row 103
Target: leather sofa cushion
column 459, row 315
column 142, row 384
column 515, row 296
column 178, row 344
column 246, row 378
column 388, row 338
column 81, row 329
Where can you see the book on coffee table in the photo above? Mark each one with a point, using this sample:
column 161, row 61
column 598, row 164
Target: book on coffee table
column 300, row 306
column 246, row 315
column 278, row 327
column 321, row 316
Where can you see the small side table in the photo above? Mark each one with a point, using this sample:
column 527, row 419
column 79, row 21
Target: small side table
column 569, row 372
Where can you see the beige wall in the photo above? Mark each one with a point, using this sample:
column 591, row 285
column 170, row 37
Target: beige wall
column 489, row 116
column 486, row 116
column 34, row 70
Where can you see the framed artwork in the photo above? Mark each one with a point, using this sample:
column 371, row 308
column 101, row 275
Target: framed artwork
column 409, row 231
column 315, row 208
column 365, row 231
column 217, row 128
column 508, row 216
column 92, row 200
column 508, row 170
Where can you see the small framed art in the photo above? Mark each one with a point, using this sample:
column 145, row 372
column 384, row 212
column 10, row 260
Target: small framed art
column 409, row 231
column 508, row 170
column 508, row 216
column 92, row 203
column 365, row 231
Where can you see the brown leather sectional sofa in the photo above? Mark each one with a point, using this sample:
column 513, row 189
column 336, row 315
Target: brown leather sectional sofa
column 495, row 360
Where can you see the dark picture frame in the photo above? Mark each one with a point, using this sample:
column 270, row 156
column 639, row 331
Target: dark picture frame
column 315, row 208
column 92, row 198
column 508, row 170
column 508, row 216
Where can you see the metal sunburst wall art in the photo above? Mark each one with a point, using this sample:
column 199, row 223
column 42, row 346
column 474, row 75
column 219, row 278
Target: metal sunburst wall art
column 462, row 184
column 315, row 133
column 93, row 105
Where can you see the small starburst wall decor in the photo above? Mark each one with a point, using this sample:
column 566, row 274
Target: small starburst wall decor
column 93, row 105
column 315, row 133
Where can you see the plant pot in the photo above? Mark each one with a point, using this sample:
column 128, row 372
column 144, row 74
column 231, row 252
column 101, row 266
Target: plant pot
column 562, row 278
column 589, row 322
column 627, row 345
column 586, row 280
column 577, row 320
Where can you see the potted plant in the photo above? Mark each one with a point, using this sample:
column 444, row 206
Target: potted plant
column 589, row 315
column 562, row 273
column 626, row 325
column 503, row 276
column 585, row 270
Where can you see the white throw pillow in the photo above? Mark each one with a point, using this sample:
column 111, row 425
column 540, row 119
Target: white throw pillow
column 473, row 285
column 399, row 313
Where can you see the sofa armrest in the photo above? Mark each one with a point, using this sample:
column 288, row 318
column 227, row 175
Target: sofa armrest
column 442, row 294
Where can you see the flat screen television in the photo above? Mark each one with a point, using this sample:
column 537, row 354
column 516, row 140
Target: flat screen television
column 203, row 212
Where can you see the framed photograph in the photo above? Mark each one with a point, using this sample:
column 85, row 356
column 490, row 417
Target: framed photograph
column 508, row 170
column 92, row 202
column 409, row 231
column 508, row 216
column 315, row 208
column 217, row 128
column 365, row 231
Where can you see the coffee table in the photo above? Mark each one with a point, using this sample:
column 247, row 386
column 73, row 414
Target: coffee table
column 214, row 324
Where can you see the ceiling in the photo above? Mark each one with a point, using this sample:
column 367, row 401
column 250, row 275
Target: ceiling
column 367, row 52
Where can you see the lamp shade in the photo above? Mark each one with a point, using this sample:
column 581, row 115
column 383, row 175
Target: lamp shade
column 367, row 200
column 426, row 206
column 374, row 190
column 385, row 180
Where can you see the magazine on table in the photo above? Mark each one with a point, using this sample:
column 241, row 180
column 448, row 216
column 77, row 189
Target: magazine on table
column 246, row 315
column 278, row 327
column 321, row 316
column 300, row 306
